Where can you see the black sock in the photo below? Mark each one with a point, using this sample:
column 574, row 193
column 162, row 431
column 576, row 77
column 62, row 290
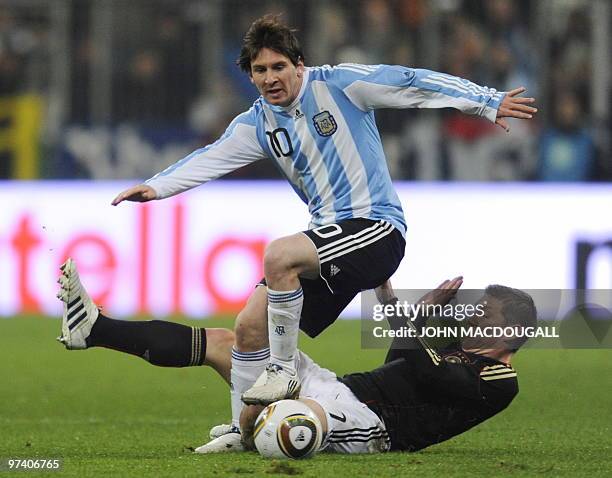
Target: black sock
column 159, row 342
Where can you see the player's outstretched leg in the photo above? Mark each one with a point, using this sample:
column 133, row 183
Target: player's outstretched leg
column 159, row 342
column 285, row 261
column 80, row 313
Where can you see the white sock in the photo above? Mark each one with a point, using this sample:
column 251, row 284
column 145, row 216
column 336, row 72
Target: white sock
column 284, row 311
column 246, row 368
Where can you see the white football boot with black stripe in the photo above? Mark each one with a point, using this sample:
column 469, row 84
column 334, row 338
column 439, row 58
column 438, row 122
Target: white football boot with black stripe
column 274, row 384
column 80, row 313
column 224, row 439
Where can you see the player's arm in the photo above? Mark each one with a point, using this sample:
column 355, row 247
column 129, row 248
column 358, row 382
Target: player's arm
column 401, row 87
column 452, row 379
column 237, row 147
column 408, row 346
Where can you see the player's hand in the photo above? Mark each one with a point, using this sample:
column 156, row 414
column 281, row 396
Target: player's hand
column 140, row 193
column 515, row 106
column 442, row 294
column 384, row 293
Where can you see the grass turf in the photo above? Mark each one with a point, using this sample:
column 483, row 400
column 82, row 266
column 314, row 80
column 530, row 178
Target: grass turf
column 105, row 413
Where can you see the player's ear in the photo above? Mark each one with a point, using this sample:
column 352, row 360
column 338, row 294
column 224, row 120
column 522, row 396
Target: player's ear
column 300, row 68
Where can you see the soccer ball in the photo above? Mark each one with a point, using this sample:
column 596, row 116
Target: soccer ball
column 287, row 429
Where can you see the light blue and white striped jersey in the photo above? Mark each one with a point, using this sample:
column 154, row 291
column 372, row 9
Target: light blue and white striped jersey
column 326, row 142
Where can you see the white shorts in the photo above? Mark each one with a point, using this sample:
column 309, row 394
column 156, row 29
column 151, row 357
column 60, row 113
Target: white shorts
column 351, row 426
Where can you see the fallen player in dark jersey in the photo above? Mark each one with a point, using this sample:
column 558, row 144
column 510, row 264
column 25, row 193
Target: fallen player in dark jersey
column 425, row 396
column 419, row 397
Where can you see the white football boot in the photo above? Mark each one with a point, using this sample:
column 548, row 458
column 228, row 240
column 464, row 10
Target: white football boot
column 80, row 313
column 218, row 430
column 224, row 439
column 273, row 384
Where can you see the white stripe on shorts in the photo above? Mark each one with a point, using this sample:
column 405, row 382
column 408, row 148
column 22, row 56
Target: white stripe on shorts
column 356, row 241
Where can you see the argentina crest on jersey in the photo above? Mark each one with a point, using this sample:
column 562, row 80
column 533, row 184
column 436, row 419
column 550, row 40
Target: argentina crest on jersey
column 324, row 123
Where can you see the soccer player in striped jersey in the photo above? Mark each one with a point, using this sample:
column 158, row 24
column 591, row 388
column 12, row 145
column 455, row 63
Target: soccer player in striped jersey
column 317, row 125
column 419, row 397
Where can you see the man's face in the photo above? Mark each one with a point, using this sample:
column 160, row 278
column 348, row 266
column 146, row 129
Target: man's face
column 277, row 79
column 492, row 317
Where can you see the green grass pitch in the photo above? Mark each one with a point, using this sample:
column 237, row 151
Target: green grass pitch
column 106, row 413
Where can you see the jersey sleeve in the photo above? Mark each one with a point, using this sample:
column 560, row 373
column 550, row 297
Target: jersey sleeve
column 237, row 147
column 383, row 86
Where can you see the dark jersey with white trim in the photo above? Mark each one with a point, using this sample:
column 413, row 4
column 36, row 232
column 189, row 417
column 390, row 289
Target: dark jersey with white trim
column 425, row 397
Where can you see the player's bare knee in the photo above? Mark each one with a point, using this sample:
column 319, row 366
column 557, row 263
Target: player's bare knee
column 278, row 258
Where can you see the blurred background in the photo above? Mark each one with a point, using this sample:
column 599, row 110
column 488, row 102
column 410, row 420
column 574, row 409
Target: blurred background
column 96, row 95
column 106, row 89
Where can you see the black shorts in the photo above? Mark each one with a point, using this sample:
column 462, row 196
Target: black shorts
column 354, row 255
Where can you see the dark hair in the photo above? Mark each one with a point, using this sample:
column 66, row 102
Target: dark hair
column 269, row 32
column 518, row 310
